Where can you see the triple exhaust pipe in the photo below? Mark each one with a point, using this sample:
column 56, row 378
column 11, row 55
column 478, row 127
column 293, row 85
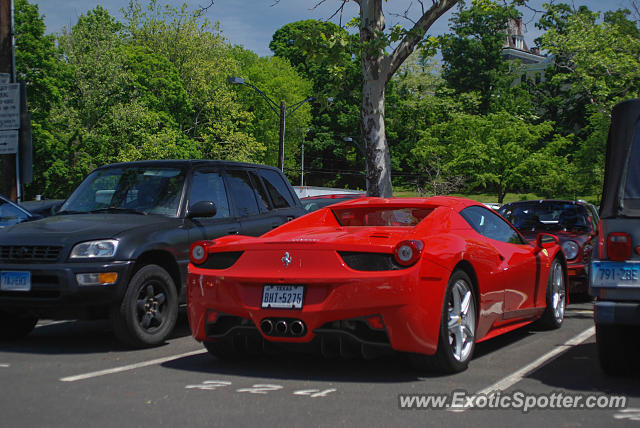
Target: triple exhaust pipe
column 283, row 327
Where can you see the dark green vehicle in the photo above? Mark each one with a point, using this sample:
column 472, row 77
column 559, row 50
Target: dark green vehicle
column 118, row 247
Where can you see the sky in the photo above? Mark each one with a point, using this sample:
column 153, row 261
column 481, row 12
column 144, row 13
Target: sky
column 251, row 23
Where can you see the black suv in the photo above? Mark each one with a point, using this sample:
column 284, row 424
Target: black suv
column 119, row 245
column 615, row 268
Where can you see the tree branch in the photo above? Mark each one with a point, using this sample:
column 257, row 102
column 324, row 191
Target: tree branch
column 202, row 9
column 408, row 44
column 339, row 10
column 405, row 15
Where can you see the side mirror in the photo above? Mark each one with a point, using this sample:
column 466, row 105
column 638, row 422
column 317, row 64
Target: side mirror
column 202, row 209
column 546, row 240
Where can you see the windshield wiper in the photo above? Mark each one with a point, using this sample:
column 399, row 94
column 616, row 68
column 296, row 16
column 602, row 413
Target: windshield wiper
column 118, row 210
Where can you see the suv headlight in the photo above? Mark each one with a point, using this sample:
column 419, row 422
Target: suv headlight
column 570, row 249
column 94, row 249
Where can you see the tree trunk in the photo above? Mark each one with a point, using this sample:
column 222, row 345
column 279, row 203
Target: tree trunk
column 377, row 69
column 375, row 140
column 502, row 192
column 376, row 73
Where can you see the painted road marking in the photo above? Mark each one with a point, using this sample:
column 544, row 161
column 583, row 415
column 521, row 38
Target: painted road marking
column 632, row 414
column 130, row 367
column 314, row 393
column 209, row 385
column 45, row 323
column 515, row 377
column 261, row 388
column 5, row 365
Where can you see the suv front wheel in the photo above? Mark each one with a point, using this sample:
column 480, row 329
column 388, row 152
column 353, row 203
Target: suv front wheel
column 149, row 309
column 16, row 324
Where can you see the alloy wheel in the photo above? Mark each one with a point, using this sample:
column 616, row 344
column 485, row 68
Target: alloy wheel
column 461, row 320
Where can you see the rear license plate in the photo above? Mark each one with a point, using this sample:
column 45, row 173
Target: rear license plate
column 282, row 296
column 15, row 281
column 615, row 274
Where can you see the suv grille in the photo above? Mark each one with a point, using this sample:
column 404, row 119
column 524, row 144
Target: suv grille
column 29, row 253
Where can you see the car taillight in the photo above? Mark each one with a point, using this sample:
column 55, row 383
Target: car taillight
column 408, row 252
column 619, row 246
column 198, row 251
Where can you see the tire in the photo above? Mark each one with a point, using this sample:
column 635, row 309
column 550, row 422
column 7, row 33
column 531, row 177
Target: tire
column 16, row 325
column 556, row 297
column 613, row 350
column 456, row 340
column 149, row 309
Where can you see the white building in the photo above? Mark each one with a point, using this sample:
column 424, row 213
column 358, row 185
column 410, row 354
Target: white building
column 515, row 48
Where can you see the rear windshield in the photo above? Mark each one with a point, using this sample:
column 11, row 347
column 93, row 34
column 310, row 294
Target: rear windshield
column 381, row 216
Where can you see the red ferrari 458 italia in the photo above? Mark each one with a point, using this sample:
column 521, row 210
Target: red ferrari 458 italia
column 429, row 277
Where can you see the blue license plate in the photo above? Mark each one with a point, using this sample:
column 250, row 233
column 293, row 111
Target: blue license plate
column 615, row 274
column 15, row 281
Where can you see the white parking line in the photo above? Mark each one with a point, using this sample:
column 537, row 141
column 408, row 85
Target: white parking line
column 130, row 367
column 4, row 366
column 515, row 377
column 45, row 323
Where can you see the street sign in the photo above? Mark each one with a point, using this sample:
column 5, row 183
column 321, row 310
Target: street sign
column 5, row 78
column 8, row 142
column 9, row 106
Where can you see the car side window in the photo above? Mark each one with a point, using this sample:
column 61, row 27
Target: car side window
column 591, row 219
column 244, row 193
column 490, row 225
column 261, row 193
column 209, row 186
column 277, row 188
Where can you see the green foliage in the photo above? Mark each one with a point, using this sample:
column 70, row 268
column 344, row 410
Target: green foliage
column 472, row 56
column 549, row 172
column 600, row 61
column 203, row 61
column 328, row 56
column 489, row 150
column 276, row 78
column 155, row 86
column 39, row 64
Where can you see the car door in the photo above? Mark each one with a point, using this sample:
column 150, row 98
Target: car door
column 285, row 205
column 519, row 267
column 250, row 202
column 207, row 184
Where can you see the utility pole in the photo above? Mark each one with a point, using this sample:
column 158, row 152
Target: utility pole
column 9, row 184
column 302, row 163
column 283, row 118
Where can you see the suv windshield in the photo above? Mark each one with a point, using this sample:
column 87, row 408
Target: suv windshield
column 137, row 189
column 546, row 216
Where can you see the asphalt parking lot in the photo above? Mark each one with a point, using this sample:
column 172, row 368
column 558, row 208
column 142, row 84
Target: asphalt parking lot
column 76, row 374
